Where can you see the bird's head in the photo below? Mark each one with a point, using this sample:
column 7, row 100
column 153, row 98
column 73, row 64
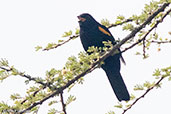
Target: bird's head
column 86, row 20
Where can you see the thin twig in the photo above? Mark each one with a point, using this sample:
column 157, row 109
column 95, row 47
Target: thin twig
column 3, row 68
column 126, row 21
column 160, row 42
column 30, row 78
column 34, row 94
column 38, row 103
column 144, row 52
column 143, row 95
column 57, row 45
column 63, row 104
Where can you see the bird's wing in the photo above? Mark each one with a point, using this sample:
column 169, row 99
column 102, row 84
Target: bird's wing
column 106, row 31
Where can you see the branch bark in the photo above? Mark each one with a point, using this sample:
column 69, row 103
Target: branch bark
column 63, row 104
column 143, row 95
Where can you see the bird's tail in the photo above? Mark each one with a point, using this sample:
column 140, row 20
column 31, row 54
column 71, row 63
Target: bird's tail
column 118, row 85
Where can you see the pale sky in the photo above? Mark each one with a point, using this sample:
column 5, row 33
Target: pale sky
column 24, row 24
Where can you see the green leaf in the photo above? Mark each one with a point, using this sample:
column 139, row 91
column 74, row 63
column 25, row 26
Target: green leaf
column 110, row 112
column 166, row 71
column 128, row 26
column 143, row 17
column 35, row 109
column 3, row 75
column 51, row 73
column 52, row 111
column 52, row 102
column 27, row 81
column 51, row 46
column 70, row 99
column 148, row 85
column 14, row 71
column 157, row 72
column 118, row 21
column 105, row 22
column 4, row 62
column 138, row 87
column 136, row 19
column 38, row 48
column 132, row 97
column 155, row 36
column 158, row 85
column 66, row 34
column 120, row 17
column 119, row 105
column 137, row 53
column 77, row 31
column 15, row 96
column 169, row 78
column 128, row 105
column 59, row 41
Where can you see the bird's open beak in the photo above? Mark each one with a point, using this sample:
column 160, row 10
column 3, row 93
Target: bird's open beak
column 81, row 19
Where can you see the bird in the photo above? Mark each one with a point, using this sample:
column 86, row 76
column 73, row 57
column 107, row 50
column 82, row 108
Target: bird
column 92, row 33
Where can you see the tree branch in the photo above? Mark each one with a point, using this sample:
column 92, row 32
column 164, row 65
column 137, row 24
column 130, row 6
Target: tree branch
column 143, row 95
column 30, row 78
column 75, row 36
column 59, row 90
column 94, row 65
column 25, row 76
column 144, row 37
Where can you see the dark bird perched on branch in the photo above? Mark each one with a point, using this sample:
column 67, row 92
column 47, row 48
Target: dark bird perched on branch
column 93, row 33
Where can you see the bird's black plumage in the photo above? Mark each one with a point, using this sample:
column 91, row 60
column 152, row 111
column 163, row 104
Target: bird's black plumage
column 93, row 33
